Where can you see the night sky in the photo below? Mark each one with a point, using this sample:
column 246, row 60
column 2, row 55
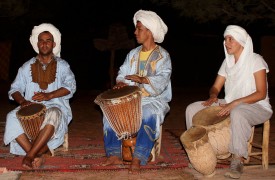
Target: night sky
column 196, row 49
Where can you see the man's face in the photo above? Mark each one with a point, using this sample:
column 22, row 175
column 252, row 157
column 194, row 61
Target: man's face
column 142, row 33
column 45, row 43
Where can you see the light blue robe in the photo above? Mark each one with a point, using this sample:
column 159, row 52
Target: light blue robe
column 158, row 72
column 23, row 84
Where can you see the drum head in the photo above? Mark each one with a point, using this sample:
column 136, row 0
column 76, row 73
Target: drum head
column 208, row 116
column 194, row 134
column 118, row 93
column 31, row 109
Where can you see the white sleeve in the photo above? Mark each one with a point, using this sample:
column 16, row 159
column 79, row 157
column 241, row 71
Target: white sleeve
column 222, row 71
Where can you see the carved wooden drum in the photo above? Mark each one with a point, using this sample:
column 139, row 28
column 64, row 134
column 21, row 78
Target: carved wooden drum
column 31, row 118
column 122, row 109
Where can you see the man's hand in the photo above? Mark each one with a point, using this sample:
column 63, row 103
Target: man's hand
column 120, row 85
column 42, row 96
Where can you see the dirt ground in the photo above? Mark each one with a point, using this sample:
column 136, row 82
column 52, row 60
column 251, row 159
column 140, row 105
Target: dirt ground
column 87, row 114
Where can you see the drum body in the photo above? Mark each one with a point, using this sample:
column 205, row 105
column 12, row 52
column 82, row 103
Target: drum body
column 122, row 109
column 218, row 129
column 199, row 150
column 31, row 118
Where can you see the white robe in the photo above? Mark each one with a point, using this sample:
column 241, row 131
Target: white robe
column 23, row 84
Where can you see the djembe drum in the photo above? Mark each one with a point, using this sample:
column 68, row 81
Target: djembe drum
column 122, row 109
column 218, row 129
column 199, row 150
column 31, row 118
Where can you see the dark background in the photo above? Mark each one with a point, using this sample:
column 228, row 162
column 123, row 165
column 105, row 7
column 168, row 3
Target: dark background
column 194, row 39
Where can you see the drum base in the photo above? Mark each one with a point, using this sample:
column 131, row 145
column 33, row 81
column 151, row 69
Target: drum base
column 128, row 148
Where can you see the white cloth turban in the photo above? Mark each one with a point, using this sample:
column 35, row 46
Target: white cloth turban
column 53, row 30
column 237, row 32
column 152, row 22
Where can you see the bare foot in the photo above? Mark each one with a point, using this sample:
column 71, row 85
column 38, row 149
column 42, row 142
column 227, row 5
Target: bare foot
column 27, row 162
column 38, row 161
column 135, row 166
column 112, row 160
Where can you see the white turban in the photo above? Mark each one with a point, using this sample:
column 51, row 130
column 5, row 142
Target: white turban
column 237, row 32
column 53, row 30
column 152, row 22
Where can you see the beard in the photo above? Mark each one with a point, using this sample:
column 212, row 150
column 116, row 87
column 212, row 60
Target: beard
column 45, row 52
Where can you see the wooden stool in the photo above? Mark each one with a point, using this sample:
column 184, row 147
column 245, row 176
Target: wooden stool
column 65, row 145
column 156, row 149
column 263, row 154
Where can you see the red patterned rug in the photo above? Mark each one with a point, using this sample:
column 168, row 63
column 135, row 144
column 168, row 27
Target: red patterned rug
column 87, row 153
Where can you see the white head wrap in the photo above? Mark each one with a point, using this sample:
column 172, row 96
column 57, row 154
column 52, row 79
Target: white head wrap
column 242, row 37
column 53, row 30
column 153, row 22
column 237, row 32
column 240, row 70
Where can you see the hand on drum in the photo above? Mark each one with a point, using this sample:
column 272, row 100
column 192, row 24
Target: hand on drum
column 136, row 78
column 226, row 108
column 120, row 85
column 41, row 96
column 25, row 103
column 210, row 101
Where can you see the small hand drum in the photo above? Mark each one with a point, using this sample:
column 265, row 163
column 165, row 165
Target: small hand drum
column 31, row 118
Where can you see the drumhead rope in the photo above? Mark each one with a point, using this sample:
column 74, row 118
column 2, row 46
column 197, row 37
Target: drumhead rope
column 122, row 109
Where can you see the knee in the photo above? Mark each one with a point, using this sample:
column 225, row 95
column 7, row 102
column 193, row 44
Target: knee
column 106, row 124
column 54, row 111
column 53, row 116
column 11, row 116
column 149, row 120
column 237, row 111
column 190, row 108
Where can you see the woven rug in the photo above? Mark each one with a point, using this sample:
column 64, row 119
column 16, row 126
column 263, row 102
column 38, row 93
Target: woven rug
column 87, row 153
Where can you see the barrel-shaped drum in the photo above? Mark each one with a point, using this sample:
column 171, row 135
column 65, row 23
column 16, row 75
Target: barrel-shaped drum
column 218, row 129
column 199, row 150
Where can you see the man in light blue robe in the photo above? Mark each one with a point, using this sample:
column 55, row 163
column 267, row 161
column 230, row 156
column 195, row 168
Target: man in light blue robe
column 45, row 79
